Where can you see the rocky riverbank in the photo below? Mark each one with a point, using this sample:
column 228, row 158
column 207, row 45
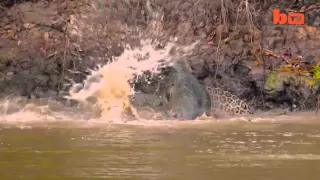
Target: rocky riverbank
column 47, row 45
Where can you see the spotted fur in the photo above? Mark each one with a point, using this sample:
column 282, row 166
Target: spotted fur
column 226, row 102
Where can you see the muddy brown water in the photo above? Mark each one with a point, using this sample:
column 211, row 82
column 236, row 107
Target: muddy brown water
column 213, row 150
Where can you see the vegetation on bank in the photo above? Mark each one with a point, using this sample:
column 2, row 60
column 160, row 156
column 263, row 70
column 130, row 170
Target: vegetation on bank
column 287, row 67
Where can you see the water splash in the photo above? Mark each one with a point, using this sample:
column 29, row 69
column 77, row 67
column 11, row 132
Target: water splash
column 109, row 85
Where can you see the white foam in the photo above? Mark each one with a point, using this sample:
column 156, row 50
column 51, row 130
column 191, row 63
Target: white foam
column 113, row 89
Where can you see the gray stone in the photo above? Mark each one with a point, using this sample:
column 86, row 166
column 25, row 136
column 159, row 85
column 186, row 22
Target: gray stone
column 237, row 46
column 43, row 79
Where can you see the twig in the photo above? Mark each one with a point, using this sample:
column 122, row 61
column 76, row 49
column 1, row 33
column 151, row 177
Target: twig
column 49, row 56
column 196, row 3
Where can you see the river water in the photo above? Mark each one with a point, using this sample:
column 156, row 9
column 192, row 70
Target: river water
column 40, row 143
column 197, row 150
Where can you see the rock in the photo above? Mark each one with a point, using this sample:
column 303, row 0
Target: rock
column 239, row 70
column 184, row 28
column 246, row 38
column 54, row 80
column 12, row 104
column 50, row 93
column 198, row 68
column 301, row 33
column 42, row 79
column 200, row 32
column 237, row 46
column 10, row 73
